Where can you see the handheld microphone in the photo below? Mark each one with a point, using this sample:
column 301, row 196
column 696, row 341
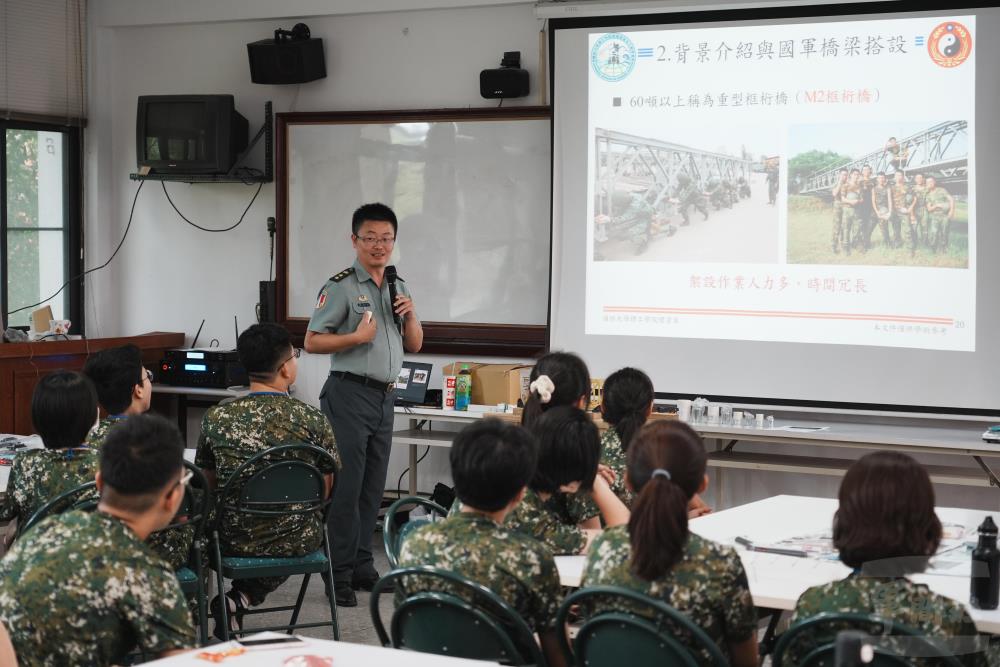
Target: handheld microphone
column 390, row 276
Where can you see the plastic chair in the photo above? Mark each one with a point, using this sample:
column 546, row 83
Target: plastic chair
column 191, row 576
column 461, row 619
column 813, row 642
column 648, row 627
column 393, row 534
column 83, row 497
column 286, row 485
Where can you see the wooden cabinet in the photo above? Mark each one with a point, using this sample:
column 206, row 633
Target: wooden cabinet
column 22, row 364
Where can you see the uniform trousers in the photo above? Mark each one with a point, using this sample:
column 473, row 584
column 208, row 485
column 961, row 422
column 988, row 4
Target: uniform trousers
column 362, row 419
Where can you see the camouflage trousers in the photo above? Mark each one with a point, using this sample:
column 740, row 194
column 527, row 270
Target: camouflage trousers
column 698, row 203
column 920, row 216
column 905, row 230
column 937, row 233
column 853, row 227
column 838, row 227
column 888, row 240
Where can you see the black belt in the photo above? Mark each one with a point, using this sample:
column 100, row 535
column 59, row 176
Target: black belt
column 384, row 387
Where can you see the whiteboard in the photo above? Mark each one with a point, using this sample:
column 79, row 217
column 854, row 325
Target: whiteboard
column 472, row 198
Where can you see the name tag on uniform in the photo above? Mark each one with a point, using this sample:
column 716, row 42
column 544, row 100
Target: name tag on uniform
column 362, row 304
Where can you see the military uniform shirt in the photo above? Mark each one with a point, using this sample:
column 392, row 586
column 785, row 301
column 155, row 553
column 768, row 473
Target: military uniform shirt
column 99, row 433
column 514, row 566
column 231, row 434
column 937, row 197
column 708, row 585
column 902, row 197
column 582, row 504
column 340, row 306
column 900, row 600
column 553, row 522
column 39, row 475
column 880, row 196
column 82, row 589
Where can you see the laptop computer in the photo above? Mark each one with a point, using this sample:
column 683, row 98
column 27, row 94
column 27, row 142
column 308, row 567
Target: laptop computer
column 412, row 383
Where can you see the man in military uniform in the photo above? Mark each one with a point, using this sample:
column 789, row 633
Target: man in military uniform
column 882, row 211
column 902, row 211
column 920, row 207
column 865, row 212
column 838, row 210
column 852, row 201
column 234, row 432
column 123, row 386
column 940, row 207
column 491, row 464
column 686, row 194
column 354, row 322
column 772, row 180
column 63, row 408
column 81, row 588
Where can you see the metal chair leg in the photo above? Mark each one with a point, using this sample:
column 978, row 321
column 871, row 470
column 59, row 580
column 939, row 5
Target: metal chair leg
column 298, row 603
column 223, row 606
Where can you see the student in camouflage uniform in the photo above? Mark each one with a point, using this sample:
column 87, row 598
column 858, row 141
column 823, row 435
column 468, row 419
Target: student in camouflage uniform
column 124, row 387
column 889, row 494
column 852, row 201
column 686, row 195
column 882, row 212
column 656, row 554
column 569, row 450
column 920, row 207
column 940, row 207
column 234, row 432
column 63, row 409
column 838, row 210
column 82, row 588
column 902, row 211
column 491, row 462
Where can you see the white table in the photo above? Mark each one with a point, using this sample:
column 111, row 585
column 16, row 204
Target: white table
column 776, row 582
column 956, row 439
column 416, row 436
column 343, row 654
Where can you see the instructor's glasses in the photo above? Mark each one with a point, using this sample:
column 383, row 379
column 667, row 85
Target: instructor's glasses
column 371, row 241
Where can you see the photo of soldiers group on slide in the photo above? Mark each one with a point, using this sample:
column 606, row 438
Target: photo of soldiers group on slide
column 661, row 201
column 904, row 202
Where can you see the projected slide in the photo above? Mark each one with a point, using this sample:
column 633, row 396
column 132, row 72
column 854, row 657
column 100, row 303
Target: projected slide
column 805, row 183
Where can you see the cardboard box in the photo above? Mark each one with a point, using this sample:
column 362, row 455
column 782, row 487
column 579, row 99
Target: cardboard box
column 494, row 383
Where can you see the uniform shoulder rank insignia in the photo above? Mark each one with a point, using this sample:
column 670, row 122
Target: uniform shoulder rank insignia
column 343, row 274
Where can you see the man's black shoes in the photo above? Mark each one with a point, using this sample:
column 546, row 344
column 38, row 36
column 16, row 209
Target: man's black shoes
column 344, row 595
column 365, row 581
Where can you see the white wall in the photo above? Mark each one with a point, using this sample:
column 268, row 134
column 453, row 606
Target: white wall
column 168, row 276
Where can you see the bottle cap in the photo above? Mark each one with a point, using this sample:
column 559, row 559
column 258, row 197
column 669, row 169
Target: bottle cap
column 987, row 527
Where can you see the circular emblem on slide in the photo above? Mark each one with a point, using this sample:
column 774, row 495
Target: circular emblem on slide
column 613, row 56
column 950, row 44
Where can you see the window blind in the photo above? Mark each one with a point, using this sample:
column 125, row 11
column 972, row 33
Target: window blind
column 43, row 60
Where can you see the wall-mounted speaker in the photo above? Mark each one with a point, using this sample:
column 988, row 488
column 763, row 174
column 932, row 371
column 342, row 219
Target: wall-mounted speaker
column 293, row 56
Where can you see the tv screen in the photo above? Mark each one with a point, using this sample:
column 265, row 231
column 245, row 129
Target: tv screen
column 189, row 134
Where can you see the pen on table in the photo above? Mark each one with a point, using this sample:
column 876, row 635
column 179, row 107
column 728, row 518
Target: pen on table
column 749, row 546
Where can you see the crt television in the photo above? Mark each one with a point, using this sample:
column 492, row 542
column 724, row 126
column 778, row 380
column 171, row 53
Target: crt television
column 189, row 134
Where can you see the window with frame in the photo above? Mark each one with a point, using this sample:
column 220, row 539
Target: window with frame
column 40, row 228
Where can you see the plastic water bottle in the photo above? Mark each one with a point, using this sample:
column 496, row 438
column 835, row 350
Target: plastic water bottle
column 985, row 563
column 463, row 388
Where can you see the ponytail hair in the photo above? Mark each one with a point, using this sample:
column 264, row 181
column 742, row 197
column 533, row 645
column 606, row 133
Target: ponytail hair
column 570, row 380
column 628, row 393
column 666, row 465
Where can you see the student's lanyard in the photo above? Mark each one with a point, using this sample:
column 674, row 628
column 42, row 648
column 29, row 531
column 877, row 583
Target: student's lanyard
column 72, row 453
column 267, row 393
